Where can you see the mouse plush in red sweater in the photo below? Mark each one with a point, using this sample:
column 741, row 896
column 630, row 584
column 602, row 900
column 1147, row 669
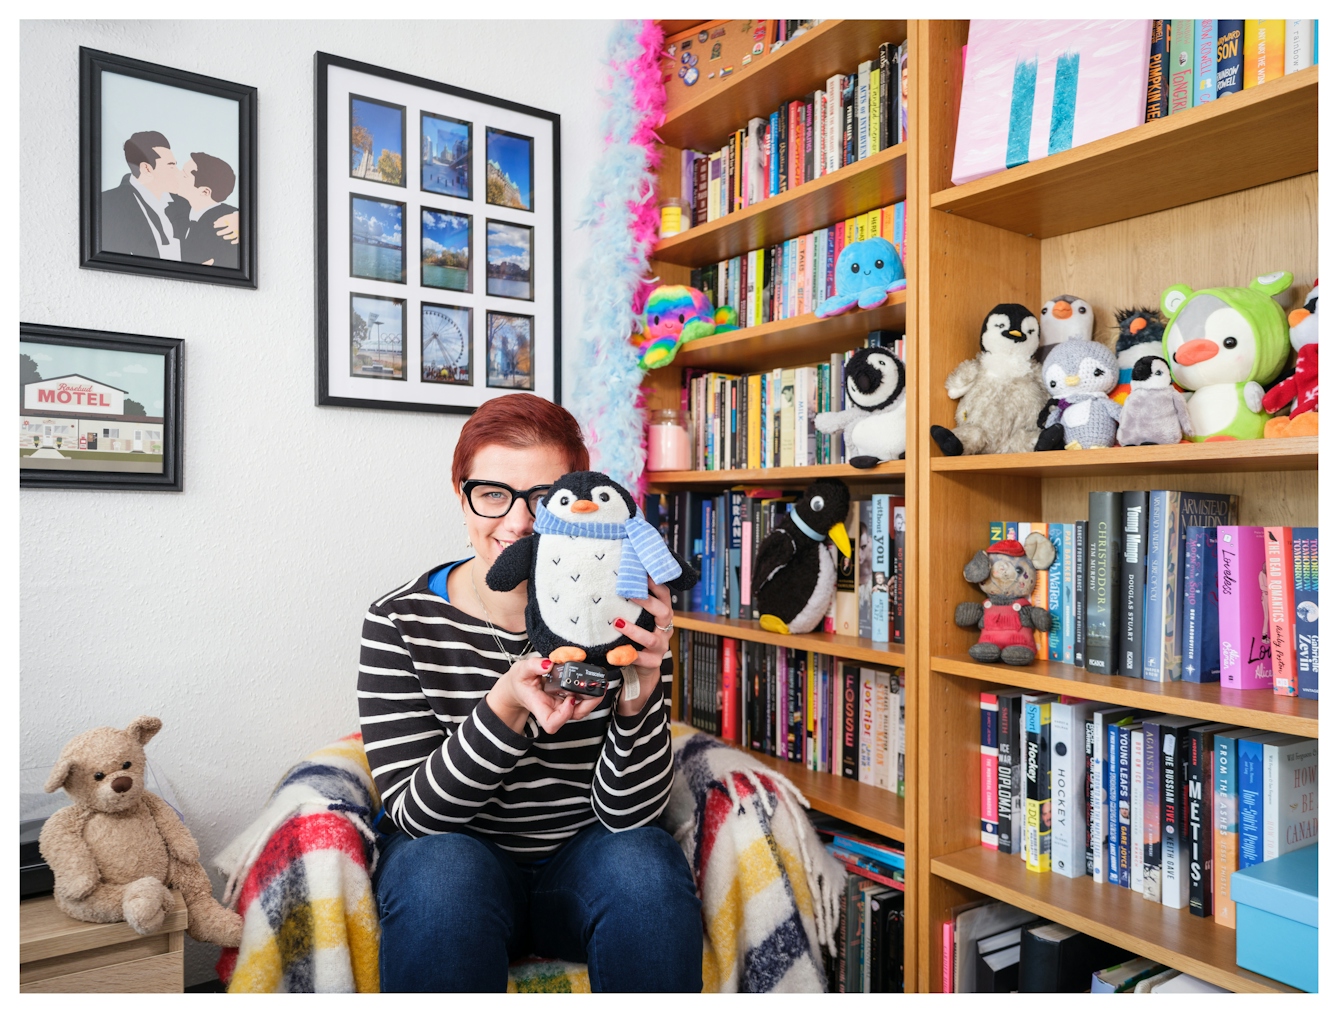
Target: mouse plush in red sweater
column 1301, row 389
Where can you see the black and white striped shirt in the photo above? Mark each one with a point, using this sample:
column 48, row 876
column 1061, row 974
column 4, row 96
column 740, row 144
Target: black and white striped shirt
column 443, row 760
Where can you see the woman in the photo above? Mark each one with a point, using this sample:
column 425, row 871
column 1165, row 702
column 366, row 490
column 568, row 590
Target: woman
column 519, row 822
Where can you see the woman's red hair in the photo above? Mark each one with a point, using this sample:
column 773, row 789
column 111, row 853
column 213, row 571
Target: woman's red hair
column 519, row 421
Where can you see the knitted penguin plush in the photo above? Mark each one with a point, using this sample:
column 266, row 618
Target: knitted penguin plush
column 999, row 392
column 590, row 552
column 1063, row 317
column 874, row 426
column 1006, row 573
column 1224, row 344
column 1139, row 334
column 1301, row 389
column 794, row 575
column 1155, row 412
column 1081, row 416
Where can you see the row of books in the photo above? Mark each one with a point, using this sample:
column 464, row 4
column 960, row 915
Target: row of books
column 721, row 534
column 1165, row 805
column 870, row 931
column 833, row 717
column 1196, row 60
column 792, row 278
column 1165, row 585
column 852, row 117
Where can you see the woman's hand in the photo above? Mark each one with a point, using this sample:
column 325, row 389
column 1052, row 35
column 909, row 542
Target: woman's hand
column 520, row 692
column 654, row 646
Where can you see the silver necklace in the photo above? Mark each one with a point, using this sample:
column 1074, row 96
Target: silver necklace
column 492, row 627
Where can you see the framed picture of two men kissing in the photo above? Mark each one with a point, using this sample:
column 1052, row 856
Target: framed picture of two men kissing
column 167, row 172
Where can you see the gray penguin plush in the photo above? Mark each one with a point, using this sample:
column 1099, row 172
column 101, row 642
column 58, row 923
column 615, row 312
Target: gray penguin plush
column 999, row 392
column 874, row 426
column 1079, row 376
column 1154, row 413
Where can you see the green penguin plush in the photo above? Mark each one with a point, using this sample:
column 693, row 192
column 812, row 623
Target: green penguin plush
column 1223, row 345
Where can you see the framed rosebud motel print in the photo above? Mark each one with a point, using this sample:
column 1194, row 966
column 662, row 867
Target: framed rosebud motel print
column 167, row 162
column 438, row 247
column 98, row 410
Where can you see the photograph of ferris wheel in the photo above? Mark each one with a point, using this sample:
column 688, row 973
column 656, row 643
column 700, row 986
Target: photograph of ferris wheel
column 448, row 344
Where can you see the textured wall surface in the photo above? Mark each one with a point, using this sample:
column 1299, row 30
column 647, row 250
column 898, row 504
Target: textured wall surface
column 232, row 610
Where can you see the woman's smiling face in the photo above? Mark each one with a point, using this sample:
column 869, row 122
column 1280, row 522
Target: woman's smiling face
column 521, row 468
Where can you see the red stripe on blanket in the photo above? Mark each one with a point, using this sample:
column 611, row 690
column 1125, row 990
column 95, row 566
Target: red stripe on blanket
column 296, row 837
column 719, row 807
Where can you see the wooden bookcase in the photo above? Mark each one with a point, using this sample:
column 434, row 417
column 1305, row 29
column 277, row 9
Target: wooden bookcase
column 1115, row 221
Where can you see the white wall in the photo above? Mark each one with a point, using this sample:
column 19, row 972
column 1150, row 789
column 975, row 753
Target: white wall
column 232, row 610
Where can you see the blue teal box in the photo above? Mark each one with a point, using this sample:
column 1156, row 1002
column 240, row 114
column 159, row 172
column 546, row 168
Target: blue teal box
column 1277, row 918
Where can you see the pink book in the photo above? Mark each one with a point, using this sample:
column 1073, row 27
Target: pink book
column 1242, row 608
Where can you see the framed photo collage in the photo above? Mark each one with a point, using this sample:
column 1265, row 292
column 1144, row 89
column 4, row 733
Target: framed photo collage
column 438, row 248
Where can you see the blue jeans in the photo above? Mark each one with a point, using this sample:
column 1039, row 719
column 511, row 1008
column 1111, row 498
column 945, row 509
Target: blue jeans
column 455, row 909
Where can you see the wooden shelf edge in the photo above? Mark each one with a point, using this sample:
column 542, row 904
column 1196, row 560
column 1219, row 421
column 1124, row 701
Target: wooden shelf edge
column 834, row 644
column 1207, row 700
column 768, row 476
column 734, row 231
column 1197, row 946
column 1295, row 454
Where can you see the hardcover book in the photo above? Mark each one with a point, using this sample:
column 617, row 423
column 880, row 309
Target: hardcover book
column 1205, row 60
column 1200, row 816
column 1242, row 589
column 1012, row 805
column 881, row 555
column 1265, row 59
column 1281, row 609
column 1133, row 580
column 1036, row 725
column 1305, row 576
column 1150, row 845
column 1291, row 796
column 1226, row 843
column 1230, row 66
column 1199, row 637
column 1250, row 774
column 1174, row 758
column 1104, row 620
column 1136, row 834
column 989, row 771
column 1157, row 91
column 1180, row 53
column 1080, row 594
column 1103, row 718
column 1068, row 778
column 1123, row 744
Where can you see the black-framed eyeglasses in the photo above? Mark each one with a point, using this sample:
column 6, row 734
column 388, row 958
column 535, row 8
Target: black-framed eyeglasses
column 495, row 499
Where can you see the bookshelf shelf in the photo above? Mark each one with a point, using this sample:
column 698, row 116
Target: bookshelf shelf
column 1208, row 701
column 1299, row 454
column 794, row 341
column 1241, row 141
column 833, row 47
column 785, row 477
column 849, row 648
column 1197, row 946
column 870, row 183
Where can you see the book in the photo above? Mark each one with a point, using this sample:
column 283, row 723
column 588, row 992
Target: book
column 1091, row 794
column 1133, row 580
column 867, row 697
column 1100, row 809
column 1036, row 727
column 1136, row 833
column 1157, row 95
column 850, row 680
column 862, row 110
column 1250, row 774
column 1291, row 796
column 882, row 716
column 1205, row 60
column 1173, row 739
column 1012, row 790
column 1122, row 977
column 997, row 959
column 1104, row 619
column 1199, row 637
column 1299, row 43
column 880, row 533
column 1068, row 779
column 1226, row 839
column 1230, row 63
column 1123, row 743
column 1080, row 594
column 1305, row 576
column 1066, row 596
column 1281, row 591
column 847, row 578
column 1160, row 533
column 1056, row 958
column 1054, row 601
column 897, row 590
column 1200, row 815
column 1181, row 62
column 989, row 771
column 1242, row 616
column 875, row 106
column 863, row 547
column 1112, row 768
column 1264, row 51
column 1151, row 815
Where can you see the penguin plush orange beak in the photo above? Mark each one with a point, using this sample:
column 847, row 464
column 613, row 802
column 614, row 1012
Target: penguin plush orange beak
column 1198, row 350
column 584, row 506
column 1062, row 310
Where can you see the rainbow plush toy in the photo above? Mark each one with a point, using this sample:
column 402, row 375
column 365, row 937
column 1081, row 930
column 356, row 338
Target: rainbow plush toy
column 675, row 315
column 865, row 273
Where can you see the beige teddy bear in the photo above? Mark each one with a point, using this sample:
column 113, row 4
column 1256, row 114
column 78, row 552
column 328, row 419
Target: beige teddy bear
column 119, row 848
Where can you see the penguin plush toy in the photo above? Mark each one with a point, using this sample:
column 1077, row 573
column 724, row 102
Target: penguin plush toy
column 794, row 575
column 1063, row 317
column 590, row 552
column 1154, row 413
column 1081, row 415
column 874, row 426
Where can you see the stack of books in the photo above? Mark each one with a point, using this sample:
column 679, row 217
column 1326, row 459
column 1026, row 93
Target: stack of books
column 854, row 116
column 792, row 278
column 1162, row 804
column 832, row 716
column 1165, row 585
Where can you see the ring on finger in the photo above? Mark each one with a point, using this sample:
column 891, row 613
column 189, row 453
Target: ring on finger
column 665, row 629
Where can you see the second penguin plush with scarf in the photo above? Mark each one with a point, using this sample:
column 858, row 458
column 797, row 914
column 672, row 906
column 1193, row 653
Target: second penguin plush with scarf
column 590, row 553
column 794, row 574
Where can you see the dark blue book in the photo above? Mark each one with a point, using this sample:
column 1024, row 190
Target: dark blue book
column 738, row 504
column 720, row 522
column 1111, row 770
column 1158, row 92
column 1202, row 649
column 1305, row 573
column 1123, row 796
column 1133, row 580
column 1230, row 56
column 708, row 555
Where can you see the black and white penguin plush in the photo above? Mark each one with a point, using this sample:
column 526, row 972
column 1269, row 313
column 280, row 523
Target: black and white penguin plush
column 794, row 575
column 874, row 426
column 590, row 552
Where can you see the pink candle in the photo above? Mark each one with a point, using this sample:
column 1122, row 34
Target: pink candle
column 667, row 442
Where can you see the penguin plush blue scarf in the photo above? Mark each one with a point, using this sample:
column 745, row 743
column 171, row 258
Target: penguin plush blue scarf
column 643, row 550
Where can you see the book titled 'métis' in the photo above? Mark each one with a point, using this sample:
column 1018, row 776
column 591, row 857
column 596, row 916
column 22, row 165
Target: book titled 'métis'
column 1242, row 593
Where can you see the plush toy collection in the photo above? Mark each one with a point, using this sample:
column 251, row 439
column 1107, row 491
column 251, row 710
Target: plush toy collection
column 674, row 316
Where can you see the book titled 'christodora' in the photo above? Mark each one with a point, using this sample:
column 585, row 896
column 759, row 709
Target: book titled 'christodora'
column 1242, row 596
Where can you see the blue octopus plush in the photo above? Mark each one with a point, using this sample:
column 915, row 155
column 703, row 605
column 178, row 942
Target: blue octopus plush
column 865, row 273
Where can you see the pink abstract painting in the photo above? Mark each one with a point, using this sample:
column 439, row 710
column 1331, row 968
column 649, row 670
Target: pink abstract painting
column 1035, row 88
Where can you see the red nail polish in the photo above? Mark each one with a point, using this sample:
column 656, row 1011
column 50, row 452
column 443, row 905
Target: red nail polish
column 619, row 623
column 546, row 664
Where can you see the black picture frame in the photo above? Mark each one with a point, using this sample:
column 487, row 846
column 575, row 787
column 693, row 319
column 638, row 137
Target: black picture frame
column 92, row 173
column 172, row 351
column 327, row 185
